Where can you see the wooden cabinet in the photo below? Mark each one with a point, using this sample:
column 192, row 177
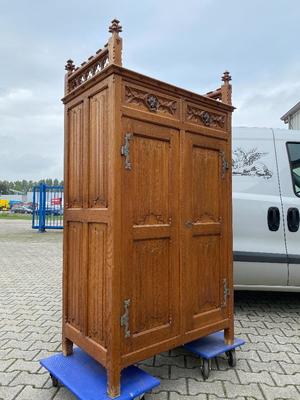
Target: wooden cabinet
column 147, row 235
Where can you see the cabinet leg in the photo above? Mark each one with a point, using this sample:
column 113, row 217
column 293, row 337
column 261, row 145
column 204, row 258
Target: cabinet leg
column 113, row 383
column 67, row 347
column 229, row 335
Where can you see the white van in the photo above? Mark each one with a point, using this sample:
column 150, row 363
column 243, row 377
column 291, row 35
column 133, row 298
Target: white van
column 266, row 203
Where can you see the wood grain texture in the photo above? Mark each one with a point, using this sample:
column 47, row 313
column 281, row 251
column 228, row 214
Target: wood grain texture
column 75, row 152
column 96, row 283
column 98, row 150
column 75, row 276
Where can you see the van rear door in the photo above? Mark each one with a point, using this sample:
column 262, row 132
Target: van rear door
column 288, row 156
column 259, row 245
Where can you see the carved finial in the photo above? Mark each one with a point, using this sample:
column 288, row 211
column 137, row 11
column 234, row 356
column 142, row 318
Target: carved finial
column 226, row 77
column 226, row 89
column 70, row 66
column 115, row 43
column 115, row 26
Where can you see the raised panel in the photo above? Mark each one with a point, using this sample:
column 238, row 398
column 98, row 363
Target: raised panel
column 75, row 275
column 96, row 283
column 205, row 117
column 98, row 150
column 151, row 285
column 75, row 156
column 150, row 174
column 150, row 100
column 204, row 278
column 205, row 184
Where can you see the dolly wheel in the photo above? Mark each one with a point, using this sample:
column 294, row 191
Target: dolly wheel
column 54, row 380
column 205, row 369
column 231, row 356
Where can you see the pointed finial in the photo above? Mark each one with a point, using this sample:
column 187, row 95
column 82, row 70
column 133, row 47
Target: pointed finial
column 115, row 26
column 70, row 66
column 226, row 77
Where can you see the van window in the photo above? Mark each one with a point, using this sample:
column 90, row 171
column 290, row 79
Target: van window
column 294, row 157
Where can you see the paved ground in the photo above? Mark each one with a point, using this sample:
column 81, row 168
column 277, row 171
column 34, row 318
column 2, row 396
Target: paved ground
column 30, row 308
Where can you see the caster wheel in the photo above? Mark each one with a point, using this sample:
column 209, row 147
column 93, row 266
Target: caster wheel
column 205, row 369
column 141, row 397
column 231, row 356
column 54, row 381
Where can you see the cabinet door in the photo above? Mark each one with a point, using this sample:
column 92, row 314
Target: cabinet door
column 205, row 216
column 150, row 273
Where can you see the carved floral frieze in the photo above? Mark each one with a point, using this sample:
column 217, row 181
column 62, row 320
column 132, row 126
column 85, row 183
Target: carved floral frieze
column 150, row 100
column 206, row 118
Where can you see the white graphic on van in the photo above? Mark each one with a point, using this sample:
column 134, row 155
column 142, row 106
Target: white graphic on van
column 247, row 163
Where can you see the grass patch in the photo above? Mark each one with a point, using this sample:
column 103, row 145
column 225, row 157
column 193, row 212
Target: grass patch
column 15, row 216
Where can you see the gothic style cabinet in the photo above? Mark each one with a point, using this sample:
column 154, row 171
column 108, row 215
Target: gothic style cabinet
column 147, row 235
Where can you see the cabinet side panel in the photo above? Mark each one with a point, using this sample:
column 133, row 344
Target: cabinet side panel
column 98, row 150
column 75, row 276
column 75, row 167
column 96, row 283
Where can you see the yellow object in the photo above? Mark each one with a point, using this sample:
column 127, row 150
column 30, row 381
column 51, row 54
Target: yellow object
column 4, row 204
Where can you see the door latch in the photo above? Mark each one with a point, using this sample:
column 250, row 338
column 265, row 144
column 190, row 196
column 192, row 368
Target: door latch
column 125, row 318
column 226, row 292
column 125, row 150
column 225, row 163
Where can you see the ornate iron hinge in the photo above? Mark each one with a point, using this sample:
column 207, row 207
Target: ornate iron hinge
column 225, row 164
column 125, row 150
column 125, row 318
column 226, row 292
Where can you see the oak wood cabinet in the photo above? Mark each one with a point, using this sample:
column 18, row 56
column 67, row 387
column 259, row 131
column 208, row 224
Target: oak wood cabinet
column 147, row 234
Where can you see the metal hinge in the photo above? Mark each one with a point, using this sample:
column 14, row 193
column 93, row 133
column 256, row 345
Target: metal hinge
column 125, row 150
column 225, row 163
column 125, row 318
column 226, row 292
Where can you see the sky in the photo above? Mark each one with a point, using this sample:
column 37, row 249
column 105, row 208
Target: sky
column 186, row 43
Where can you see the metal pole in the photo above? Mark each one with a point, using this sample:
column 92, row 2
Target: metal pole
column 33, row 207
column 42, row 208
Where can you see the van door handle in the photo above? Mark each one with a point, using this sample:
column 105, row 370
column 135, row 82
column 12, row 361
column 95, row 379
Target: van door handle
column 293, row 219
column 273, row 219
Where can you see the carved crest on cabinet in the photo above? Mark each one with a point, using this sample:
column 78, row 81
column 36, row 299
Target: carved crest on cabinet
column 151, row 101
column 205, row 118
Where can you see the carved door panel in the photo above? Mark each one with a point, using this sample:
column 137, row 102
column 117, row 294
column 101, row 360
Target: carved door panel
column 150, row 273
column 204, row 248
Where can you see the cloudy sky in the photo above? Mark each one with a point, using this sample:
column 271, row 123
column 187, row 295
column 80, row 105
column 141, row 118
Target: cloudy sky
column 187, row 43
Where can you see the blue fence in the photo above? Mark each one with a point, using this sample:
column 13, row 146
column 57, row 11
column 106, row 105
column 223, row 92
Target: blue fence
column 48, row 207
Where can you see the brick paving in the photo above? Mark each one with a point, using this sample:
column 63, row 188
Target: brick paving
column 30, row 309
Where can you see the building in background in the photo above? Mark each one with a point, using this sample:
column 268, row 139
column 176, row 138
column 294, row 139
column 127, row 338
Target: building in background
column 23, row 198
column 292, row 117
